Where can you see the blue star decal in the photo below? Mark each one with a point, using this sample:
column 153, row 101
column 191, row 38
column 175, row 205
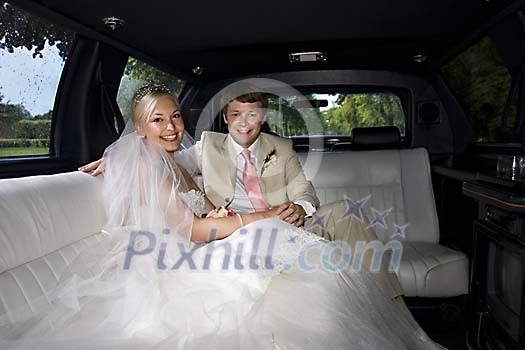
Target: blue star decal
column 292, row 239
column 379, row 218
column 354, row 208
column 320, row 219
column 399, row 231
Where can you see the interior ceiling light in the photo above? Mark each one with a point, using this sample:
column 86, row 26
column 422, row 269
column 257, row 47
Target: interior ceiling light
column 314, row 56
column 198, row 70
column 113, row 22
column 419, row 58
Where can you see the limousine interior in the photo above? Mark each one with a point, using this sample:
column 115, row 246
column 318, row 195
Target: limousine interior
column 420, row 106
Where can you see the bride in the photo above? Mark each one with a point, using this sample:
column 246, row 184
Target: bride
column 168, row 277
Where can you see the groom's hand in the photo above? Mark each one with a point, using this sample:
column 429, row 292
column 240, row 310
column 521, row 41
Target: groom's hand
column 291, row 213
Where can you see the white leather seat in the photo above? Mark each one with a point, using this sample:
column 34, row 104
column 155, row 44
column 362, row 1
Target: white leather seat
column 396, row 179
column 47, row 221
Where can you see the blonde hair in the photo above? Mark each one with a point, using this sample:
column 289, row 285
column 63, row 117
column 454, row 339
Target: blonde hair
column 145, row 100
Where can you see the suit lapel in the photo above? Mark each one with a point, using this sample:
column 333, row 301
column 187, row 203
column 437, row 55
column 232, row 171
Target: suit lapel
column 231, row 160
column 264, row 149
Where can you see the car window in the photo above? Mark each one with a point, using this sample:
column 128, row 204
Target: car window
column 481, row 82
column 138, row 73
column 32, row 54
column 338, row 113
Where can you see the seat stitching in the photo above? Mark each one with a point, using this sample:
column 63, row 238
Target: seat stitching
column 6, row 307
column 51, row 268
column 62, row 256
column 22, row 290
column 37, row 281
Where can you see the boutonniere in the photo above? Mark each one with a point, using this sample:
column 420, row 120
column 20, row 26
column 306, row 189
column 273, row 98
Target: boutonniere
column 270, row 159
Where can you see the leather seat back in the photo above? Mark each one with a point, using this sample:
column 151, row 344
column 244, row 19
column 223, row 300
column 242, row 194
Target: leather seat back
column 398, row 179
column 42, row 214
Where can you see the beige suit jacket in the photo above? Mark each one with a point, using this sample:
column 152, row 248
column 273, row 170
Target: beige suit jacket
column 280, row 182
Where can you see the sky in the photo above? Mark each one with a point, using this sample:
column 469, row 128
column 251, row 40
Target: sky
column 30, row 81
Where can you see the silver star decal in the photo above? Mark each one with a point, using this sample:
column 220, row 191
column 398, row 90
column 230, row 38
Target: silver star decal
column 399, row 231
column 379, row 218
column 354, row 208
column 320, row 219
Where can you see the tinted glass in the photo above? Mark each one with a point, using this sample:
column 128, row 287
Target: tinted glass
column 481, row 82
column 338, row 113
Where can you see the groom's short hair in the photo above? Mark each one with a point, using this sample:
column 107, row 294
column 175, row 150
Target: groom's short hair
column 248, row 97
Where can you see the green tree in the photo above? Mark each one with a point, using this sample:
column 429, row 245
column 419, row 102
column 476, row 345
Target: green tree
column 14, row 111
column 33, row 129
column 138, row 70
column 366, row 110
column 10, row 114
column 284, row 118
column 481, row 83
column 138, row 73
column 19, row 29
column 45, row 116
column 349, row 111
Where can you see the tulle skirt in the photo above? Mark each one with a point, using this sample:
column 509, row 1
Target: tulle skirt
column 264, row 287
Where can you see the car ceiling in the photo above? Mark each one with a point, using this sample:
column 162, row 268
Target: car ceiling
column 236, row 38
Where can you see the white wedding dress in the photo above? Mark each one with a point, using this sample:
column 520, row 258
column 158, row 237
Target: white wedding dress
column 256, row 289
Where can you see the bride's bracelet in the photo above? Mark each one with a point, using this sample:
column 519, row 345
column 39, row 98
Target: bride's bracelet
column 240, row 219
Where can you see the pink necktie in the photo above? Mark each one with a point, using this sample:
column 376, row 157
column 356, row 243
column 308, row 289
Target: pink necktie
column 251, row 183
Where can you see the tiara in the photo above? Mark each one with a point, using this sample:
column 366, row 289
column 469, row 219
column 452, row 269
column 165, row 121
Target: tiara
column 148, row 89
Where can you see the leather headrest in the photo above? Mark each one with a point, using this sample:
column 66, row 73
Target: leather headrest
column 383, row 137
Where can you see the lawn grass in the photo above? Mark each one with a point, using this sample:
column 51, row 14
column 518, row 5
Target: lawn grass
column 23, row 151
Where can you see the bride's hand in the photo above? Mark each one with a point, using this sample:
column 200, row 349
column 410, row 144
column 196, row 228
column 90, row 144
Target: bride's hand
column 94, row 168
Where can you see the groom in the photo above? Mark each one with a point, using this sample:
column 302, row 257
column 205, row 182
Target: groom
column 248, row 171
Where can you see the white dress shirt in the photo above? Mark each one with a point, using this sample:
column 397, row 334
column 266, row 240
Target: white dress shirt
column 241, row 203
